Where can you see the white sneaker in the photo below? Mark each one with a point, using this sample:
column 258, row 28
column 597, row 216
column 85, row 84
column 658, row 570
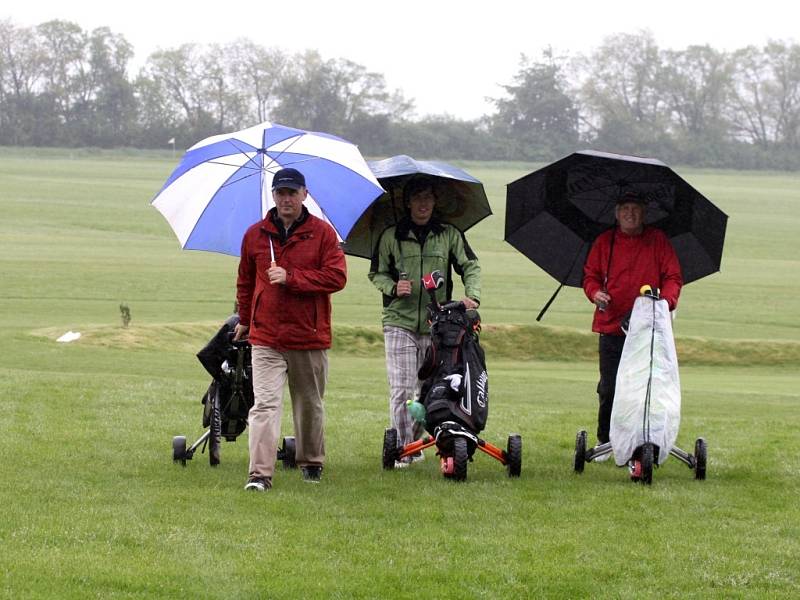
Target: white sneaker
column 401, row 464
column 602, row 458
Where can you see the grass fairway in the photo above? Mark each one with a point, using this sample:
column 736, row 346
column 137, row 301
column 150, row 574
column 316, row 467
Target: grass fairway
column 94, row 507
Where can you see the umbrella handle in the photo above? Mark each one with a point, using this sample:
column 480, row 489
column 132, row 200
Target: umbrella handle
column 549, row 302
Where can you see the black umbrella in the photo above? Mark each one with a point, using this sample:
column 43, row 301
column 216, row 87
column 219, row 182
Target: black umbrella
column 460, row 200
column 554, row 214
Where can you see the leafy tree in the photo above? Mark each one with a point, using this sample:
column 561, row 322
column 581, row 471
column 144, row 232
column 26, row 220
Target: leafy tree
column 624, row 104
column 256, row 74
column 693, row 83
column 783, row 59
column 21, row 66
column 336, row 96
column 538, row 118
column 112, row 115
column 748, row 109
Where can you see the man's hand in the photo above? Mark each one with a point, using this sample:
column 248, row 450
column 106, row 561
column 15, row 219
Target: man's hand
column 277, row 275
column 240, row 332
column 601, row 299
column 469, row 303
column 403, row 288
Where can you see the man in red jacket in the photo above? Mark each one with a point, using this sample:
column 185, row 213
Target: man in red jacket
column 290, row 264
column 619, row 263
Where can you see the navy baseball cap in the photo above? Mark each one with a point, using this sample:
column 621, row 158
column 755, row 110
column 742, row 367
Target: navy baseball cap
column 288, row 178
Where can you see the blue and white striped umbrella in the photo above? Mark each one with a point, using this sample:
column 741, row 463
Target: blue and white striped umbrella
column 223, row 184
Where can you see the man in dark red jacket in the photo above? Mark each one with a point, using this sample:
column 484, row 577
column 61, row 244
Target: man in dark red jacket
column 619, row 263
column 290, row 264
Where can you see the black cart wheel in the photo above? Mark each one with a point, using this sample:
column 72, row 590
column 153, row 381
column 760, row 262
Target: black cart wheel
column 460, row 459
column 514, row 455
column 389, row 448
column 700, row 455
column 580, row 451
column 289, row 453
column 647, row 463
column 179, row 449
column 215, row 431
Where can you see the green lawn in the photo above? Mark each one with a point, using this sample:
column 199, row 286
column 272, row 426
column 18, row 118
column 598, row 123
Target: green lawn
column 94, row 507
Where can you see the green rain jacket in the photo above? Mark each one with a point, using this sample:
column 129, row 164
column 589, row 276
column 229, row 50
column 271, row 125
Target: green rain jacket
column 399, row 251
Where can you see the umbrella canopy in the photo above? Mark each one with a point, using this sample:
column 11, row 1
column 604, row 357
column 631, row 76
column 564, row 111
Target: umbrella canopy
column 461, row 200
column 223, row 184
column 554, row 214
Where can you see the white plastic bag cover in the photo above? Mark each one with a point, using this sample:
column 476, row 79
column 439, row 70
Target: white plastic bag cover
column 631, row 417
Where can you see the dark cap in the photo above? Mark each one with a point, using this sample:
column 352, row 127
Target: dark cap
column 288, row 178
column 631, row 197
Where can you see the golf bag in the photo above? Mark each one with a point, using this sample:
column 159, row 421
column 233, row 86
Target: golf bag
column 647, row 401
column 228, row 400
column 456, row 383
column 222, row 361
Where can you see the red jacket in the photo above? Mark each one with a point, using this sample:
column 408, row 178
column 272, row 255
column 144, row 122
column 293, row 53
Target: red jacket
column 297, row 315
column 636, row 260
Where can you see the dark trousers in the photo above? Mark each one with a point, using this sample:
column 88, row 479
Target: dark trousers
column 610, row 351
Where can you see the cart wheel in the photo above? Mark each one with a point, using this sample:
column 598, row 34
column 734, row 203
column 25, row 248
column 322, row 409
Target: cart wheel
column 179, row 449
column 514, row 455
column 700, row 455
column 289, row 456
column 389, row 448
column 580, row 451
column 647, row 463
column 460, row 459
column 215, row 431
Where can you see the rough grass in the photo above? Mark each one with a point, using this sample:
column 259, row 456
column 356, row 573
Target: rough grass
column 506, row 342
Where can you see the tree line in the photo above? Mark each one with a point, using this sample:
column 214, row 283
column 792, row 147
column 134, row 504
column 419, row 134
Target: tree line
column 63, row 86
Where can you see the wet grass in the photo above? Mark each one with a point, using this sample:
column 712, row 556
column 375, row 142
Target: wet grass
column 94, row 507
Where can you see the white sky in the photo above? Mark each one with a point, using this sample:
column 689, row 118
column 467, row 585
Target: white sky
column 447, row 55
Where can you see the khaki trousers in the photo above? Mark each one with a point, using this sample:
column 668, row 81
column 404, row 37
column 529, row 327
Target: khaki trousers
column 307, row 373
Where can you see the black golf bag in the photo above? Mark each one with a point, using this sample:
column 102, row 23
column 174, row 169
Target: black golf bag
column 228, row 400
column 456, row 383
column 454, row 394
column 231, row 369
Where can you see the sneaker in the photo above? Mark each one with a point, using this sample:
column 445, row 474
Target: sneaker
column 402, row 463
column 312, row 474
column 418, row 457
column 602, row 458
column 636, row 469
column 258, row 484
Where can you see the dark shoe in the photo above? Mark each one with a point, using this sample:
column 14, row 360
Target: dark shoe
column 258, row 484
column 312, row 474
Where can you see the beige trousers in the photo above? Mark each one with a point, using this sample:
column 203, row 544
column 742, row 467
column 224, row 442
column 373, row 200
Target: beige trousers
column 307, row 373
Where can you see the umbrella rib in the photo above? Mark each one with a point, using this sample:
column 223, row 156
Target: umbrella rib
column 249, row 158
column 227, row 183
column 224, row 164
column 275, row 160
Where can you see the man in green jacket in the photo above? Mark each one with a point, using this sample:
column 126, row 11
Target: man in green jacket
column 417, row 245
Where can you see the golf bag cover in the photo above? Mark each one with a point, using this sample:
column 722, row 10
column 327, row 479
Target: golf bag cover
column 647, row 400
column 456, row 383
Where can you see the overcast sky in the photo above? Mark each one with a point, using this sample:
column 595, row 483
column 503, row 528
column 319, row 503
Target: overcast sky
column 449, row 56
